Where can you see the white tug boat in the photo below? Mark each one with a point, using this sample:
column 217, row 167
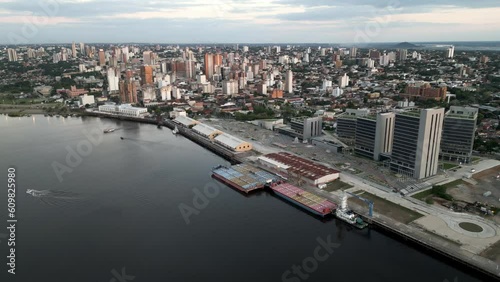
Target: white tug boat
column 176, row 130
column 347, row 215
column 109, row 130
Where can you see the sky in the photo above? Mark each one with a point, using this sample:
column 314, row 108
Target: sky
column 247, row 21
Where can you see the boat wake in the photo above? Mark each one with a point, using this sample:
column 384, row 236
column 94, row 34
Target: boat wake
column 55, row 197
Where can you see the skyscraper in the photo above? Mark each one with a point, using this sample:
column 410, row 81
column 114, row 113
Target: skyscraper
column 12, row 55
column 146, row 75
column 403, row 54
column 82, row 49
column 374, row 135
column 450, row 53
column 458, row 133
column 344, row 81
column 289, row 82
column 417, row 140
column 209, row 65
column 73, row 50
column 146, row 57
column 102, row 58
column 353, row 52
column 128, row 89
column 113, row 80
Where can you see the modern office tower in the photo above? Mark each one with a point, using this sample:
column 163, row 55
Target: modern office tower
column 459, row 129
column 209, row 66
column 307, row 127
column 346, row 122
column 417, row 140
column 146, row 75
column 374, row 135
column 450, row 53
column 146, row 57
column 353, row 52
column 289, row 81
column 12, row 55
column 113, row 80
column 344, row 81
column 403, row 54
column 73, row 50
column 102, row 58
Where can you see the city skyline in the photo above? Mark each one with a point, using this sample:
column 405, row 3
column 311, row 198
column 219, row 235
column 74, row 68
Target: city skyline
column 227, row 21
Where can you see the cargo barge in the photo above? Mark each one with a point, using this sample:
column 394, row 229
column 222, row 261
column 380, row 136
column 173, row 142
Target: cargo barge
column 243, row 177
column 308, row 201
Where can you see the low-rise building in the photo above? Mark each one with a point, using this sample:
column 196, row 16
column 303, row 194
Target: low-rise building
column 123, row 110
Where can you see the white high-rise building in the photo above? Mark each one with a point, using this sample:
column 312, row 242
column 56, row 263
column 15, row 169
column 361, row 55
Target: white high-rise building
column 230, row 87
column 12, row 55
column 417, row 141
column 344, row 81
column 451, row 52
column 306, row 58
column 289, row 82
column 326, row 84
column 384, row 60
column 337, row 92
column 113, row 80
column 353, row 52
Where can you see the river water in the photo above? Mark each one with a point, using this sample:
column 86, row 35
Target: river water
column 108, row 209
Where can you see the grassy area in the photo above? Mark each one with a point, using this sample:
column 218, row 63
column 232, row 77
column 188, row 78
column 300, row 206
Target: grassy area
column 388, row 208
column 449, row 166
column 423, row 195
column 337, row 185
column 453, row 184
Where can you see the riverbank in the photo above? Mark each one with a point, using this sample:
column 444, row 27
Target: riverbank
column 417, row 234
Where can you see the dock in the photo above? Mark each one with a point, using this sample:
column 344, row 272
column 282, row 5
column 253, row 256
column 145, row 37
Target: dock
column 244, row 177
column 313, row 203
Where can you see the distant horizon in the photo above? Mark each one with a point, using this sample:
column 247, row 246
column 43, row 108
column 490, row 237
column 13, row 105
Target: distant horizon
column 259, row 43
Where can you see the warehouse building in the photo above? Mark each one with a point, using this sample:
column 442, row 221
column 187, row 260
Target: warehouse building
column 299, row 168
column 232, row 143
column 185, row 121
column 206, row 131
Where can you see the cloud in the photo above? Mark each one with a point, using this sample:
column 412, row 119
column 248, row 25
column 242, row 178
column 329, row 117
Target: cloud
column 249, row 20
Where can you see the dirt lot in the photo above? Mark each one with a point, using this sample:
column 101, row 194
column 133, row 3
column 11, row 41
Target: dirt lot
column 387, row 208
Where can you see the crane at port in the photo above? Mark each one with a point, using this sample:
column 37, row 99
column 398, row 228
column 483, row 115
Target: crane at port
column 370, row 203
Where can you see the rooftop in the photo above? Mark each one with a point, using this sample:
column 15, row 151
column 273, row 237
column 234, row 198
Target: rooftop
column 301, row 166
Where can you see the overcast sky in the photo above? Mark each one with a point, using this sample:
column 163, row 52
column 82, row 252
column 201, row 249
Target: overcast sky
column 251, row 21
